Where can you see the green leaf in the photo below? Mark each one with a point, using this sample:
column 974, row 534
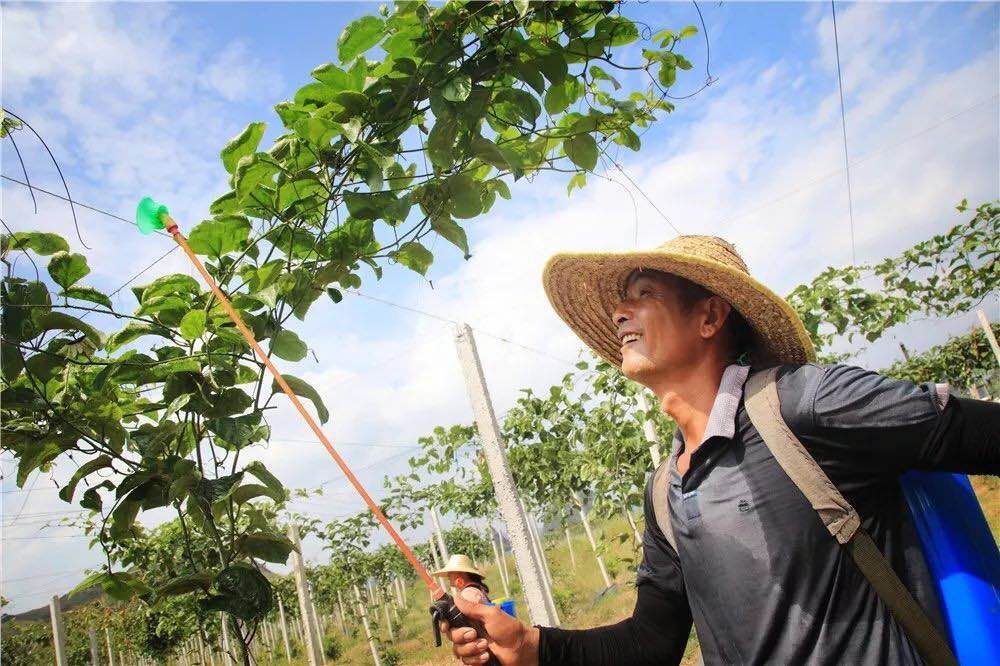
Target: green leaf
column 66, row 268
column 192, row 325
column 245, row 143
column 287, row 345
column 688, row 31
column 219, row 236
column 277, row 490
column 82, row 293
column 100, row 462
column 465, row 195
column 174, row 284
column 39, row 242
column 579, row 179
column 452, row 232
column 302, row 388
column 133, row 332
column 617, row 30
column 359, row 36
column 34, row 455
column 266, row 546
column 414, row 256
column 11, row 361
column 184, row 584
column 457, row 88
column 488, row 152
column 582, row 150
column 90, row 581
column 554, row 67
column 243, row 592
column 59, row 321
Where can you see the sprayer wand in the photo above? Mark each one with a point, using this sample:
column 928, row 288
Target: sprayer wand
column 151, row 216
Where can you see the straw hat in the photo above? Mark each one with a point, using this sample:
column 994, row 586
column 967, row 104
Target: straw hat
column 457, row 563
column 585, row 288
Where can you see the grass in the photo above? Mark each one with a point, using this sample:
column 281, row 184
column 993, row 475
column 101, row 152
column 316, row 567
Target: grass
column 578, row 595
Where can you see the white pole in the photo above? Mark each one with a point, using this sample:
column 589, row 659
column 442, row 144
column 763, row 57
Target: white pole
column 547, row 575
column 590, row 538
column 388, row 618
column 227, row 653
column 503, row 555
column 95, row 655
column 310, row 639
column 442, row 546
column 988, row 330
column 111, row 652
column 496, row 558
column 649, row 429
column 284, row 629
column 569, row 545
column 368, row 629
column 340, row 605
column 528, row 567
column 319, row 628
column 58, row 631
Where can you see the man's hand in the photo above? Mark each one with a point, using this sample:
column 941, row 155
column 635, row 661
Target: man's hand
column 511, row 641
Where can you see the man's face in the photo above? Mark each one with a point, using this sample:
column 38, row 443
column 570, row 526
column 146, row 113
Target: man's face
column 658, row 336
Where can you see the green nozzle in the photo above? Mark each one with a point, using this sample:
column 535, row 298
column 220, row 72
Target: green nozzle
column 147, row 215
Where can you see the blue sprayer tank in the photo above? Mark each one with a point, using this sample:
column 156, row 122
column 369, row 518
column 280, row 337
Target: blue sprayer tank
column 963, row 559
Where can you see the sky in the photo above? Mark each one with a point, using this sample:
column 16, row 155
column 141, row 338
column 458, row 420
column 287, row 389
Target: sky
column 138, row 99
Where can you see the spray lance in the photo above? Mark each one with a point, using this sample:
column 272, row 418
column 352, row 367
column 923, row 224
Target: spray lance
column 151, row 216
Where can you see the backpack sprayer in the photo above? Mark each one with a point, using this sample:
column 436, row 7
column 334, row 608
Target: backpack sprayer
column 150, row 217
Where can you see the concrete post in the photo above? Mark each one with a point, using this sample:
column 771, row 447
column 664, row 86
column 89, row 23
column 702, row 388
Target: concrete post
column 58, row 631
column 284, row 629
column 500, row 571
column 111, row 652
column 569, row 545
column 649, row 428
column 362, row 611
column 442, row 546
column 529, row 569
column 95, row 654
column 988, row 330
column 227, row 647
column 590, row 537
column 540, row 553
column 503, row 555
column 312, row 647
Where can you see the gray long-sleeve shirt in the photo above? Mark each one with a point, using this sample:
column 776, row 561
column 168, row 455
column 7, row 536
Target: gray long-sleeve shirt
column 755, row 568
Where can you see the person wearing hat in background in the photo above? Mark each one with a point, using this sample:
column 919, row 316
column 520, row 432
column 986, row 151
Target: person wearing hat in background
column 731, row 542
column 466, row 578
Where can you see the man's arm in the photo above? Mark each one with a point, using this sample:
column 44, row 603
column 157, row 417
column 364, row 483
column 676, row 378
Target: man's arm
column 660, row 624
column 892, row 424
column 656, row 633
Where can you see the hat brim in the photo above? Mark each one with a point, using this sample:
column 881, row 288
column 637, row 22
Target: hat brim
column 585, row 288
column 444, row 572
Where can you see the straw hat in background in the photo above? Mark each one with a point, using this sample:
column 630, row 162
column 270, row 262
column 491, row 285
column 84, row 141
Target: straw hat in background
column 586, row 287
column 456, row 564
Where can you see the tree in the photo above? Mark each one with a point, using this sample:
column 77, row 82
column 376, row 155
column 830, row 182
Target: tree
column 943, row 275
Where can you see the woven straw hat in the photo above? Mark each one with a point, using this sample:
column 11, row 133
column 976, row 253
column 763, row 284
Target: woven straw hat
column 585, row 289
column 456, row 564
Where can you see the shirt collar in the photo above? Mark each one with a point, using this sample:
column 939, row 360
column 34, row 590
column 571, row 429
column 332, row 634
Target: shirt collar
column 722, row 418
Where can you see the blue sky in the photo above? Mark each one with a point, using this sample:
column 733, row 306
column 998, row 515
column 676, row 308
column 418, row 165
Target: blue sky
column 137, row 99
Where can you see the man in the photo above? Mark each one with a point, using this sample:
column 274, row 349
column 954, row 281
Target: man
column 754, row 566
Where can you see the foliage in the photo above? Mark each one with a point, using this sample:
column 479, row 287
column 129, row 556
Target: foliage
column 963, row 361
column 466, row 541
column 333, row 646
column 944, row 275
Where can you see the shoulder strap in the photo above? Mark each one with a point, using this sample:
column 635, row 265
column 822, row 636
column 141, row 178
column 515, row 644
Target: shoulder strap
column 661, row 495
column 840, row 518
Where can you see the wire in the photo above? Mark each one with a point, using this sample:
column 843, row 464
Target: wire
column 644, row 195
column 74, row 202
column 864, row 157
column 52, row 574
column 26, row 498
column 407, row 308
column 843, row 124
